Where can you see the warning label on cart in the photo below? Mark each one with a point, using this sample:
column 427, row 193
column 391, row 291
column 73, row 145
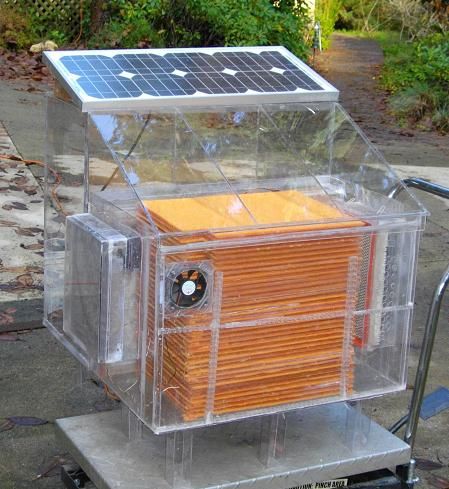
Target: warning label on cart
column 332, row 484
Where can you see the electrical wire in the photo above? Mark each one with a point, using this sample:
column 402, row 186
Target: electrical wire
column 130, row 151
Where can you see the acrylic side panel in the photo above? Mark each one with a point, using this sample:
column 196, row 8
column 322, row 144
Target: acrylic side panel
column 228, row 137
column 64, row 196
column 113, row 199
column 142, row 143
column 384, row 324
column 361, row 176
column 305, row 132
column 94, row 260
column 255, row 147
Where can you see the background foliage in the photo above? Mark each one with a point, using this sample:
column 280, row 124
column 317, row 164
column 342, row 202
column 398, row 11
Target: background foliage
column 157, row 23
column 38, row 20
column 417, row 75
column 15, row 29
column 175, row 23
column 415, row 35
column 327, row 13
column 413, row 19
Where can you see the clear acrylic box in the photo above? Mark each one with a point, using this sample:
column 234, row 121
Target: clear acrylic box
column 215, row 263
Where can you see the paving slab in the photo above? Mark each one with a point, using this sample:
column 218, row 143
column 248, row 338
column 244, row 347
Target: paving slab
column 21, row 241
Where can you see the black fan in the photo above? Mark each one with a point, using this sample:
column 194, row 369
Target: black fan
column 188, row 288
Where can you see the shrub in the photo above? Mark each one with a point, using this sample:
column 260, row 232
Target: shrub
column 417, row 74
column 440, row 118
column 15, row 28
column 117, row 34
column 423, row 61
column 178, row 23
column 413, row 102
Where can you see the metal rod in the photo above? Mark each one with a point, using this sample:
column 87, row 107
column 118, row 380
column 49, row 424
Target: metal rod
column 411, row 473
column 399, row 424
column 424, row 360
column 421, row 184
column 412, row 418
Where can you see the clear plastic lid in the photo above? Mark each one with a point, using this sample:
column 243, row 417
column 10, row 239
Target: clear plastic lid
column 217, row 169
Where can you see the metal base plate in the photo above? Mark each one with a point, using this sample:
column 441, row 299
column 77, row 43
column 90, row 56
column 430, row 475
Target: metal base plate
column 322, row 443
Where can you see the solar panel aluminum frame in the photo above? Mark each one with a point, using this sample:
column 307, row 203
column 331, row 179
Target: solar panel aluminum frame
column 88, row 103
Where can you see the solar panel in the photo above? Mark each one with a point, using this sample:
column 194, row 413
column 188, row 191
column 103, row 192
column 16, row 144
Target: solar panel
column 125, row 79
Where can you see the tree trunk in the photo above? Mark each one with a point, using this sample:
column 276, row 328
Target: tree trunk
column 96, row 16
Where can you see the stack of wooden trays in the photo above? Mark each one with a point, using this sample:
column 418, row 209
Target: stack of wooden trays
column 277, row 328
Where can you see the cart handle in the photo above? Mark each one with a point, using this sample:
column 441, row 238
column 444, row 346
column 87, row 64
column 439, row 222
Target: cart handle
column 412, row 418
column 421, row 184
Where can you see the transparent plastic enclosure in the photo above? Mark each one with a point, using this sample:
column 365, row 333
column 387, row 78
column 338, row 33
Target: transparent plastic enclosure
column 216, row 263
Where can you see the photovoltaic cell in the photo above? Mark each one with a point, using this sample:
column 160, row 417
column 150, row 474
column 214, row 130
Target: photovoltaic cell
column 132, row 75
column 166, row 74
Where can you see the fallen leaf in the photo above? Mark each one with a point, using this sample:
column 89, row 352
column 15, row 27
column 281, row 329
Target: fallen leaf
column 27, row 420
column 34, row 269
column 25, row 280
column 20, row 206
column 15, row 205
column 4, row 222
column 425, row 464
column 8, row 286
column 18, row 270
column 24, row 232
column 21, row 180
column 34, row 246
column 5, row 425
